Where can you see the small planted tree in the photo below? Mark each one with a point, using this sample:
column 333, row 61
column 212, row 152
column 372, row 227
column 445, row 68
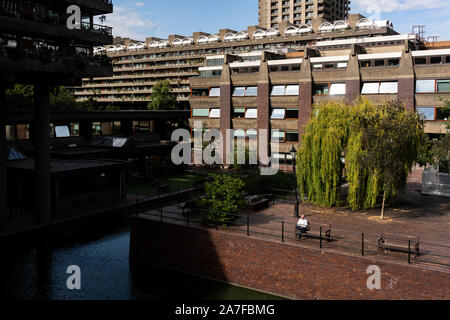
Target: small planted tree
column 391, row 140
column 223, row 199
column 162, row 97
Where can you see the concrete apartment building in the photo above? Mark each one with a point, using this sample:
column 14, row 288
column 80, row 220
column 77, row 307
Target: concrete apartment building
column 276, row 92
column 298, row 12
column 37, row 48
column 140, row 65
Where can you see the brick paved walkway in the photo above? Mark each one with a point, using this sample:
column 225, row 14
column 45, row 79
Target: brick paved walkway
column 425, row 216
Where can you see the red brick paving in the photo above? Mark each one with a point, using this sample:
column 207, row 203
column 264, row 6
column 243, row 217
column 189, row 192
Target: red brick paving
column 414, row 214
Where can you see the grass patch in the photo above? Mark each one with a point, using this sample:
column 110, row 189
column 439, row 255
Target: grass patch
column 176, row 183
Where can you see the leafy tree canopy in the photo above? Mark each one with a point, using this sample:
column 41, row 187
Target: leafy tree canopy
column 162, row 97
column 380, row 146
column 21, row 98
column 223, row 200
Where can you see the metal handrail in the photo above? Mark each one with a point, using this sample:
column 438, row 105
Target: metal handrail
column 252, row 229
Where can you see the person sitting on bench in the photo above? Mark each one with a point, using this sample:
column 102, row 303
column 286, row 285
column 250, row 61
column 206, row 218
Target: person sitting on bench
column 302, row 226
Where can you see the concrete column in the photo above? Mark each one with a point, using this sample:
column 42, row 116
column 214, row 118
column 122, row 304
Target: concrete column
column 353, row 79
column 225, row 106
column 3, row 186
column 305, row 97
column 42, row 153
column 263, row 102
column 406, row 81
column 126, row 127
column 86, row 129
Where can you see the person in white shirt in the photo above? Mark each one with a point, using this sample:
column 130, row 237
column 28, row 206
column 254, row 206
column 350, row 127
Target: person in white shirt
column 302, row 226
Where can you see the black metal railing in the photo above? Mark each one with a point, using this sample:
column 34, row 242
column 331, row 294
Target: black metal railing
column 362, row 243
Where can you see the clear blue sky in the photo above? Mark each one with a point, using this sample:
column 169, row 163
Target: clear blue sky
column 159, row 18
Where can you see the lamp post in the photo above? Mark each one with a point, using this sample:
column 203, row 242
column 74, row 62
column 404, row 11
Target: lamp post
column 294, row 160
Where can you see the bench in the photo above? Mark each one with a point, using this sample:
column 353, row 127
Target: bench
column 259, row 204
column 188, row 205
column 398, row 242
column 314, row 231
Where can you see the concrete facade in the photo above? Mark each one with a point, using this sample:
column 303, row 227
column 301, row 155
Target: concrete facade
column 39, row 49
column 272, row 12
column 139, row 65
column 318, row 78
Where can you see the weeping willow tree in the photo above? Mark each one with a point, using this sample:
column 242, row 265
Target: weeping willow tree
column 319, row 168
column 380, row 146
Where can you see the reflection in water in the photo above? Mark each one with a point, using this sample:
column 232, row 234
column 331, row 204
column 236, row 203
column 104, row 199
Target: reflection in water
column 35, row 268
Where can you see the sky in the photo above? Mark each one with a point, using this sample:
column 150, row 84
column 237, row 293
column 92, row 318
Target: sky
column 159, row 18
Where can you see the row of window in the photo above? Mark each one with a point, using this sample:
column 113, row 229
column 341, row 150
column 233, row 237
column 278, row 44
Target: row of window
column 380, row 87
column 319, row 89
column 380, row 63
column 246, row 113
column 432, row 86
column 252, row 134
column 432, row 60
column 18, row 132
column 434, row 114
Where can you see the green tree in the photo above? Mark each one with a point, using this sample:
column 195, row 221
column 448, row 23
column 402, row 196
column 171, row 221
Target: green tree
column 391, row 139
column 223, row 200
column 380, row 145
column 20, row 97
column 61, row 99
column 162, row 97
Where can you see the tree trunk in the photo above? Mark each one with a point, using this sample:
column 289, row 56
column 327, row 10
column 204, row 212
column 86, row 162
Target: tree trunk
column 382, row 207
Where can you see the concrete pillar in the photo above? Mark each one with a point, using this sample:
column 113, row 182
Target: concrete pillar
column 263, row 102
column 3, row 187
column 226, row 109
column 86, row 129
column 305, row 97
column 353, row 79
column 406, row 81
column 42, row 153
column 126, row 127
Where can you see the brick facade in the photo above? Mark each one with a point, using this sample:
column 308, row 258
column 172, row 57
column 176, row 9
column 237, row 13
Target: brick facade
column 281, row 269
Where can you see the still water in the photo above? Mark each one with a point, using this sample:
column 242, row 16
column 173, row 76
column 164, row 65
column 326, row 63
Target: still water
column 35, row 268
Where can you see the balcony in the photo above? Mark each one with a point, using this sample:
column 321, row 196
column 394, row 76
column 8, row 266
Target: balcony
column 52, row 25
column 96, row 6
column 35, row 64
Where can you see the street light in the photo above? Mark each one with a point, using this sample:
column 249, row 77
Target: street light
column 294, row 160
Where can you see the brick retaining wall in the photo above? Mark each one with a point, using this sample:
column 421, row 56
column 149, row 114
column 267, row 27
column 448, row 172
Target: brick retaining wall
column 277, row 268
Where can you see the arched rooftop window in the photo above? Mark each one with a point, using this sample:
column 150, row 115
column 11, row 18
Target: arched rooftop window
column 304, row 28
column 241, row 35
column 202, row 39
column 99, row 50
column 153, row 44
column 291, row 30
column 258, row 34
column 132, row 47
column 326, row 27
column 229, row 37
column 177, row 42
column 140, row 46
column 213, row 38
column 365, row 23
column 163, row 43
column 272, row 33
column 111, row 49
column 187, row 41
column 120, row 48
column 340, row 25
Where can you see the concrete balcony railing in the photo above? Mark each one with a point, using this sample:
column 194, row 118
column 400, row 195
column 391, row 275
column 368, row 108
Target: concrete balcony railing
column 55, row 27
column 17, row 63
